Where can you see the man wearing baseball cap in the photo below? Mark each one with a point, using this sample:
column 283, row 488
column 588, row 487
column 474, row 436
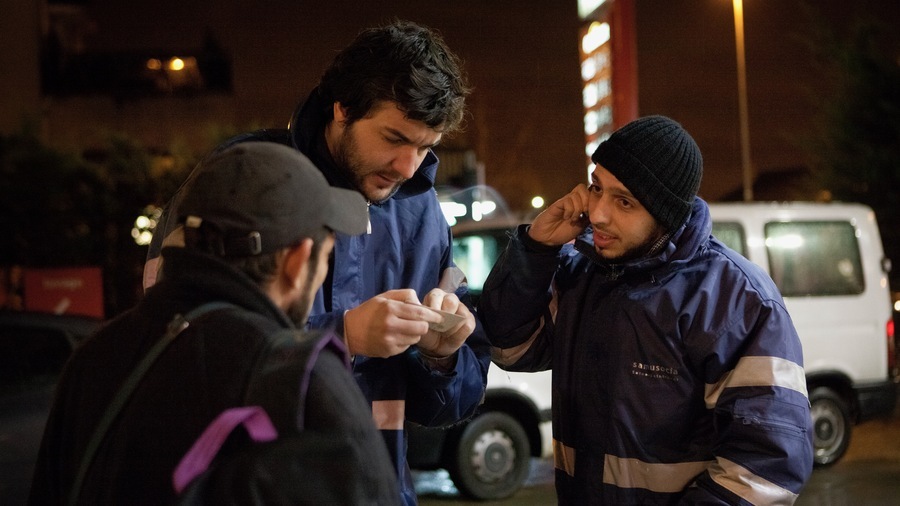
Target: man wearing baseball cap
column 677, row 372
column 220, row 331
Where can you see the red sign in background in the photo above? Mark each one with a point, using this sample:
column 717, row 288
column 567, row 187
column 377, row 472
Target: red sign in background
column 76, row 290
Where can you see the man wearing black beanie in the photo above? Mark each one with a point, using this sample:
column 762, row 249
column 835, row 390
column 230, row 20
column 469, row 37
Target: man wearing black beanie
column 677, row 372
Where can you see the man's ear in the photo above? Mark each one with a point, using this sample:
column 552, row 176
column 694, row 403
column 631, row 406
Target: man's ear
column 340, row 113
column 296, row 263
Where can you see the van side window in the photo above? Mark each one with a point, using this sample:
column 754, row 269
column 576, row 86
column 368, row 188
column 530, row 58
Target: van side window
column 731, row 234
column 814, row 258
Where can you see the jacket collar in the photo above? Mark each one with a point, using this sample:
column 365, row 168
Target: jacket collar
column 307, row 131
column 683, row 245
column 205, row 277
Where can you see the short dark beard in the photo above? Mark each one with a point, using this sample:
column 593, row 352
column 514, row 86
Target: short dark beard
column 348, row 167
column 343, row 160
column 647, row 249
column 298, row 312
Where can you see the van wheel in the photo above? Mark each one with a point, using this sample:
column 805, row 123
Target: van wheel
column 831, row 425
column 492, row 458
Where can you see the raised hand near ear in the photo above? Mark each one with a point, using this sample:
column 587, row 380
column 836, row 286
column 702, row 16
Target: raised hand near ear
column 564, row 220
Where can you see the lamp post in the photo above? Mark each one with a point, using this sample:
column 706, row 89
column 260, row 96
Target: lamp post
column 746, row 168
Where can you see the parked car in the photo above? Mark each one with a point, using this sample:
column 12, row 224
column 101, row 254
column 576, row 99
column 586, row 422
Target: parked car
column 489, row 456
column 33, row 349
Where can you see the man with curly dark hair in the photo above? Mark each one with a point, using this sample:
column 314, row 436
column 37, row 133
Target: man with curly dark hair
column 385, row 101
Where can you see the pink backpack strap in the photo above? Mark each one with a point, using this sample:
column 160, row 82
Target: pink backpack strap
column 197, row 460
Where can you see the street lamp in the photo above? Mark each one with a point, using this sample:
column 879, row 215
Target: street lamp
column 746, row 168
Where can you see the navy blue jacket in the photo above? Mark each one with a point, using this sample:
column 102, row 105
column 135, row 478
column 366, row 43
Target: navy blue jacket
column 409, row 247
column 676, row 378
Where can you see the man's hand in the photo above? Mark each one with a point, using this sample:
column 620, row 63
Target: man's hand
column 387, row 324
column 444, row 344
column 564, row 220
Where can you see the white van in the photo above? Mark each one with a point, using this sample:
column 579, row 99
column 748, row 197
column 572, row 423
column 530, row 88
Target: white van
column 827, row 260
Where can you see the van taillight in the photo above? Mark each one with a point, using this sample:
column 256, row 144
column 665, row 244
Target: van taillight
column 891, row 344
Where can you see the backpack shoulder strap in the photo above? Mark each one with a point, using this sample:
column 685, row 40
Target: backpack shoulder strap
column 330, row 342
column 254, row 419
column 175, row 327
column 198, row 459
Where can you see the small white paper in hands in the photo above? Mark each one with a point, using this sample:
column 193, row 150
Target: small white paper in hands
column 448, row 321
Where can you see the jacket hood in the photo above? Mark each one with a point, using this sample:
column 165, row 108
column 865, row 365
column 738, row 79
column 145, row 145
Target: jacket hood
column 307, row 124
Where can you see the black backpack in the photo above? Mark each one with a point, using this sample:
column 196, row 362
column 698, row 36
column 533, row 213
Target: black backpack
column 305, row 436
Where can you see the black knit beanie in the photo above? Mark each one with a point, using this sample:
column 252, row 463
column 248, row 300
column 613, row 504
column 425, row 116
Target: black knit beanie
column 659, row 163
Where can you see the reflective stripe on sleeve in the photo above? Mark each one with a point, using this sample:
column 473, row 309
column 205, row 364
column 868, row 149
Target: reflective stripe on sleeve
column 752, row 488
column 389, row 415
column 564, row 458
column 663, row 478
column 509, row 356
column 451, row 279
column 675, row 477
column 759, row 371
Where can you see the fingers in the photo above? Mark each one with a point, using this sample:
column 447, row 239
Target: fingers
column 563, row 220
column 446, row 342
column 401, row 294
column 463, row 329
column 387, row 324
column 575, row 204
column 391, row 322
column 408, row 311
column 441, row 300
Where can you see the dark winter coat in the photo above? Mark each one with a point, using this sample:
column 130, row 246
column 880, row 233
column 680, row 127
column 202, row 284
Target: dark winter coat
column 675, row 378
column 212, row 365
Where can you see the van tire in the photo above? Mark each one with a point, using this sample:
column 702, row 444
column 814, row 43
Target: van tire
column 493, row 457
column 831, row 425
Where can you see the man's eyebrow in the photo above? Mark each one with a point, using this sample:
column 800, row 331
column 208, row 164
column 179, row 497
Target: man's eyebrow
column 622, row 192
column 403, row 138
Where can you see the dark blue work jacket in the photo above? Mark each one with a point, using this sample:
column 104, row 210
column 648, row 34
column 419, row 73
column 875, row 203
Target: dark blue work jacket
column 677, row 379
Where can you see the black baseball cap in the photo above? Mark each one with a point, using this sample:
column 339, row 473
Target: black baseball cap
column 263, row 196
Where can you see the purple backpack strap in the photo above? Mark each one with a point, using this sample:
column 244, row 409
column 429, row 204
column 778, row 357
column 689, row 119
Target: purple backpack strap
column 200, row 456
column 254, row 418
column 336, row 344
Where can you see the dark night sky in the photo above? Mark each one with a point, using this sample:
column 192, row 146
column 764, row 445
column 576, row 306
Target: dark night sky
column 521, row 57
column 688, row 70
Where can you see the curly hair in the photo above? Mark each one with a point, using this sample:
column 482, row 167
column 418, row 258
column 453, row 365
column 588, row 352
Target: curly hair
column 404, row 63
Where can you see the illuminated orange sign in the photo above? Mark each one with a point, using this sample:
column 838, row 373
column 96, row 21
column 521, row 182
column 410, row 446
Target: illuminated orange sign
column 76, row 290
